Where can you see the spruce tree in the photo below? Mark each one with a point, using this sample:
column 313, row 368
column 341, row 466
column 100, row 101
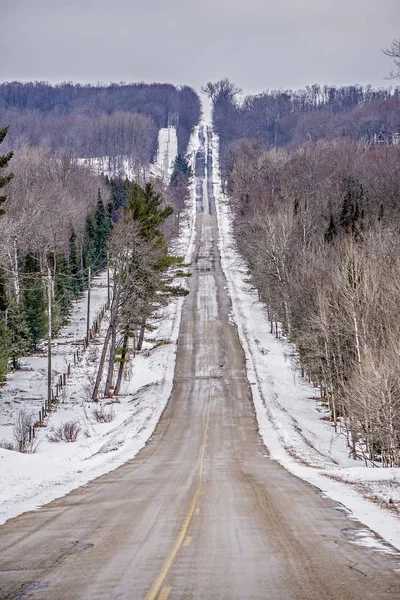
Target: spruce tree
column 352, row 214
column 18, row 333
column 182, row 172
column 74, row 265
column 103, row 228
column 330, row 232
column 5, row 347
column 145, row 207
column 6, row 178
column 88, row 250
column 63, row 285
column 34, row 301
column 3, row 290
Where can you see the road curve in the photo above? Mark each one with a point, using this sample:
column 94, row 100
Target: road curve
column 201, row 512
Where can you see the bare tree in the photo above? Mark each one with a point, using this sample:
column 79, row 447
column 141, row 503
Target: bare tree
column 394, row 52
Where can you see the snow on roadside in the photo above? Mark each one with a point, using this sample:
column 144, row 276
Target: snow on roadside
column 28, row 481
column 290, row 419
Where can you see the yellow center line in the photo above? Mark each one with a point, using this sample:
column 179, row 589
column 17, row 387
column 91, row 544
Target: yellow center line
column 152, row 593
column 164, row 592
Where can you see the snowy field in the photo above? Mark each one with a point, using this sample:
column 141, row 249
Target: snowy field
column 28, row 481
column 290, row 418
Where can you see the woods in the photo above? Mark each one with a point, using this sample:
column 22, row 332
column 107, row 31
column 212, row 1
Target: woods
column 60, row 214
column 142, row 281
column 56, row 222
column 113, row 121
column 319, row 227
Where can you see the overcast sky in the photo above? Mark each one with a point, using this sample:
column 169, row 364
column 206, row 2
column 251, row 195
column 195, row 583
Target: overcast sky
column 259, row 44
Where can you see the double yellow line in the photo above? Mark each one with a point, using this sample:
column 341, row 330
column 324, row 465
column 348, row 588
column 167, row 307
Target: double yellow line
column 155, row 588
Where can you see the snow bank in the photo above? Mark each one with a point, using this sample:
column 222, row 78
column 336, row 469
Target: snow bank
column 290, row 419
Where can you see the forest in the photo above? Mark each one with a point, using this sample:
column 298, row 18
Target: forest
column 318, row 221
column 60, row 220
column 96, row 120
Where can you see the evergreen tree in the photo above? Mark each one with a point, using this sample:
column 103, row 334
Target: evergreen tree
column 34, row 301
column 5, row 348
column 145, row 207
column 330, row 232
column 88, row 250
column 4, row 179
column 63, row 286
column 103, row 228
column 182, row 172
column 18, row 333
column 74, row 265
column 118, row 196
column 351, row 216
column 3, row 290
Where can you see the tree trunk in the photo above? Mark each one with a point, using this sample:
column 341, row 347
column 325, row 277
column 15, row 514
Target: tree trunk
column 121, row 364
column 101, row 365
column 111, row 362
column 141, row 336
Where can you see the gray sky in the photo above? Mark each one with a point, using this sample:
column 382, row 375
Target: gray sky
column 259, row 44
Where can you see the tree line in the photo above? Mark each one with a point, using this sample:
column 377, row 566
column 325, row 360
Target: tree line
column 291, row 118
column 97, row 120
column 57, row 217
column 320, row 229
column 142, row 282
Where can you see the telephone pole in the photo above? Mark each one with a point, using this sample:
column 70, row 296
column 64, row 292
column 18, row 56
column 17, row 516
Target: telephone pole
column 88, row 306
column 108, row 280
column 49, row 379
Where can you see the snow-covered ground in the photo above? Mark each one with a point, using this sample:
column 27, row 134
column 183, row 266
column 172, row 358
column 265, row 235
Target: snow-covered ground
column 166, row 153
column 290, row 418
column 118, row 166
column 125, row 166
column 30, row 480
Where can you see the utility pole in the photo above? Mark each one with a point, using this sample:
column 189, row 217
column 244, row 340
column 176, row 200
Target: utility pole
column 108, row 280
column 49, row 382
column 88, row 306
column 16, row 273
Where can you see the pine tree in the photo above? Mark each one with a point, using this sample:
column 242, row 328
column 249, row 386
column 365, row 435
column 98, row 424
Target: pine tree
column 34, row 301
column 103, row 228
column 63, row 286
column 3, row 290
column 88, row 250
column 4, row 179
column 5, row 348
column 352, row 214
column 182, row 172
column 330, row 232
column 145, row 207
column 19, row 334
column 74, row 265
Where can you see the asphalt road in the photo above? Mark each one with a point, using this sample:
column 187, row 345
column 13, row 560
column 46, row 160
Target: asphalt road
column 201, row 512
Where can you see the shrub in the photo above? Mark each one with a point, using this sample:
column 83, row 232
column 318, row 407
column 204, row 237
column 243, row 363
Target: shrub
column 103, row 415
column 7, row 445
column 22, row 430
column 65, row 432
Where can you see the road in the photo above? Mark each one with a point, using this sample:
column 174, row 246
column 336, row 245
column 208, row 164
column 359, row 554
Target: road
column 201, row 512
